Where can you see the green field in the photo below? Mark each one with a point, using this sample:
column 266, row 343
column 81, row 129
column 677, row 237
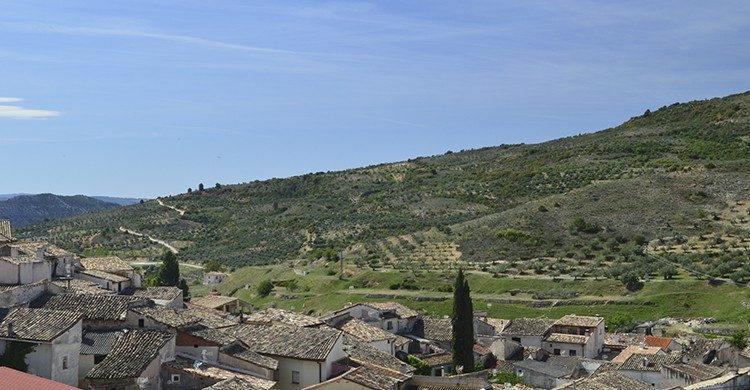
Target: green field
column 318, row 292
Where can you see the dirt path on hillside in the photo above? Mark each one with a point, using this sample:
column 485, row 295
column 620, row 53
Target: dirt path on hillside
column 180, row 211
column 152, row 239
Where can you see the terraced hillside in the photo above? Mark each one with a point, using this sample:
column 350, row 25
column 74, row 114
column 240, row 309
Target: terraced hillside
column 595, row 205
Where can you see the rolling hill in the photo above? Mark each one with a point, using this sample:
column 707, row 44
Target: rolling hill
column 666, row 189
column 22, row 210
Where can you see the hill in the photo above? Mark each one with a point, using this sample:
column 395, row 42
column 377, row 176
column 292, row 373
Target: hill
column 667, row 189
column 22, row 210
column 118, row 200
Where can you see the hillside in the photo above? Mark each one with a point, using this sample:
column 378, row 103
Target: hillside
column 671, row 185
column 22, row 210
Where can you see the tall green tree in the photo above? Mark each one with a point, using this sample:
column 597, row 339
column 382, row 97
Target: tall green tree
column 462, row 323
column 169, row 273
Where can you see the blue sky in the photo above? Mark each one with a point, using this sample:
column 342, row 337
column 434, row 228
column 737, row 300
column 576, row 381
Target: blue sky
column 146, row 98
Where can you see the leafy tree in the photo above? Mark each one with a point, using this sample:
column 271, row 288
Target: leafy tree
column 422, row 368
column 462, row 322
column 669, row 271
column 15, row 355
column 190, row 190
column 213, row 266
column 506, row 377
column 200, row 187
column 631, row 281
column 620, row 322
column 184, row 287
column 169, row 273
column 738, row 339
column 217, row 186
column 264, row 288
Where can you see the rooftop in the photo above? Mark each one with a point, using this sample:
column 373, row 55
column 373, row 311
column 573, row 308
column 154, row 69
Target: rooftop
column 375, row 378
column 364, row 331
column 105, row 275
column 633, row 349
column 582, row 321
column 98, row 343
column 6, row 233
column 37, row 324
column 106, row 263
column 217, row 336
column 553, row 368
column 273, row 315
column 235, row 383
column 240, row 351
column 697, row 371
column 11, row 379
column 438, row 359
column 608, row 380
column 401, row 310
column 207, row 370
column 528, row 326
column 93, row 307
column 289, row 341
column 130, row 355
column 214, row 301
column 567, row 338
column 167, row 316
column 79, row 286
column 661, row 342
column 437, row 329
column 644, row 362
column 159, row 293
column 363, row 353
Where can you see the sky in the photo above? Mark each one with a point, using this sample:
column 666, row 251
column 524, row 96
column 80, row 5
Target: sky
column 146, row 98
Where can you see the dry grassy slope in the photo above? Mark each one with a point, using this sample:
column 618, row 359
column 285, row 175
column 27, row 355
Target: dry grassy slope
column 653, row 176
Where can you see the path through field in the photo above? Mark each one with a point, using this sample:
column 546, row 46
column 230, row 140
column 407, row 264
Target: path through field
column 152, row 239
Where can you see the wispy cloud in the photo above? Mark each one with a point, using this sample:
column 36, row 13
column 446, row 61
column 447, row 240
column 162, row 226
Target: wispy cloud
column 17, row 112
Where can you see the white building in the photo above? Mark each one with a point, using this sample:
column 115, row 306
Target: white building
column 23, row 264
column 54, row 337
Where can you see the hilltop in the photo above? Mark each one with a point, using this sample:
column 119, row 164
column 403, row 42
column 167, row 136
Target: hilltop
column 672, row 184
column 23, row 210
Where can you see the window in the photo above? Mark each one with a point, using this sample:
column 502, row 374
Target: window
column 175, row 378
column 98, row 358
column 390, row 325
column 556, row 351
column 140, row 323
column 572, row 352
column 65, row 362
column 295, row 377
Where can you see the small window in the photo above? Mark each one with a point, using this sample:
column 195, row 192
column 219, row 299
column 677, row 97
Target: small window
column 65, row 362
column 390, row 325
column 295, row 377
column 140, row 323
column 175, row 378
column 572, row 352
column 556, row 351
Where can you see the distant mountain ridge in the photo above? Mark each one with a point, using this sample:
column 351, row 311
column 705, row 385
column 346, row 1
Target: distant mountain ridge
column 23, row 210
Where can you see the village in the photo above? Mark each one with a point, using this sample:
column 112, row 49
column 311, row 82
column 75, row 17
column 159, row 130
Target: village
column 85, row 322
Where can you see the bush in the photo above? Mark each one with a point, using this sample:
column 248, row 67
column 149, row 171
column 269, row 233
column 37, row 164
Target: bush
column 264, row 288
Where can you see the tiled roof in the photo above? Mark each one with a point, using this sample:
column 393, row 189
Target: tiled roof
column 98, row 343
column 235, row 384
column 643, row 362
column 438, row 359
column 437, row 329
column 105, row 275
column 498, row 323
column 130, row 355
column 209, row 317
column 279, row 316
column 550, row 368
column 93, row 307
column 697, row 371
column 661, row 342
column 401, row 340
column 608, row 380
column 160, row 293
column 207, row 370
column 167, row 316
column 567, row 338
column 362, row 353
column 214, row 301
column 79, row 286
column 11, row 379
column 633, row 349
column 375, row 378
column 6, row 234
column 106, row 263
column 217, row 336
column 623, row 339
column 241, row 352
column 289, row 341
column 364, row 331
column 583, row 321
column 37, row 324
column 528, row 326
column 401, row 310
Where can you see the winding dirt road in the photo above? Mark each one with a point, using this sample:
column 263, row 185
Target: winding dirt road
column 152, row 239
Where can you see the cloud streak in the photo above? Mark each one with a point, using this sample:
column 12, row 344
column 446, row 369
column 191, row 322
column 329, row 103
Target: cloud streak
column 8, row 111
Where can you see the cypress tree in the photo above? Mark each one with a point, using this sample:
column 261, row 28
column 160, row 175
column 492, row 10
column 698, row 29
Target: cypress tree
column 462, row 323
column 169, row 274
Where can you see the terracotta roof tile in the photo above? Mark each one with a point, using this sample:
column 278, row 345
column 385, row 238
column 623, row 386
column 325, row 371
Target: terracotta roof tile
column 289, row 341
column 37, row 324
column 11, row 379
column 130, row 355
column 93, row 307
